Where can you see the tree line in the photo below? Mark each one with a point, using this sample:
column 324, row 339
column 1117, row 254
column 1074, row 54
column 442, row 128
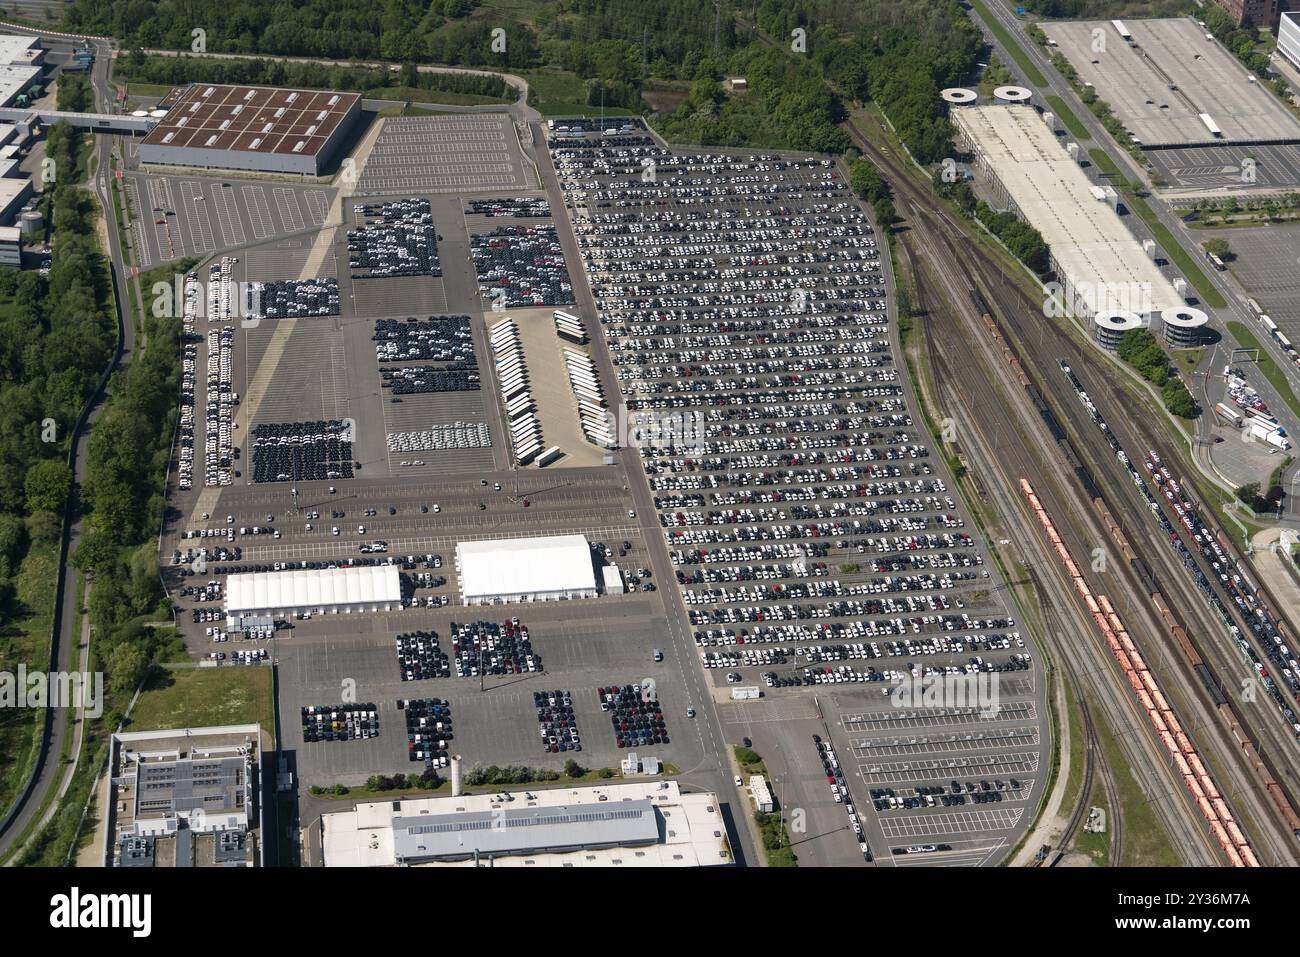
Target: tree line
column 260, row 71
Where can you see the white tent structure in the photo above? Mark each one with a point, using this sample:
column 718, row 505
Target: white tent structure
column 525, row 569
column 365, row 588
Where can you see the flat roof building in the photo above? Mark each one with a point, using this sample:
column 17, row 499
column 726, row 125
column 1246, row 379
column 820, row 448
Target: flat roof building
column 1098, row 262
column 253, row 128
column 13, row 193
column 356, row 589
column 1288, row 38
column 184, row 797
column 648, row 824
column 546, row 568
column 1171, row 85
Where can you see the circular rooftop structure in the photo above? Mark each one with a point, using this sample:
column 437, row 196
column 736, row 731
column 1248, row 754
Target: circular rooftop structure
column 1012, row 94
column 1184, row 326
column 139, row 112
column 158, row 113
column 1109, row 327
column 959, row 96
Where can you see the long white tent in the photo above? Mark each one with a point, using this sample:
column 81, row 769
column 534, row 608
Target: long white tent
column 364, row 588
column 526, row 569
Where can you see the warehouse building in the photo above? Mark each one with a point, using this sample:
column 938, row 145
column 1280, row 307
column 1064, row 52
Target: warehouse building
column 253, row 128
column 547, row 568
column 650, row 824
column 186, row 797
column 1100, row 266
column 1288, row 38
column 332, row 590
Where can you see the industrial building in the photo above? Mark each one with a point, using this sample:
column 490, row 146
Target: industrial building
column 1259, row 13
column 185, row 797
column 333, row 590
column 546, row 568
column 1171, row 84
column 650, row 824
column 1099, row 264
column 1288, row 38
column 253, row 128
column 20, row 65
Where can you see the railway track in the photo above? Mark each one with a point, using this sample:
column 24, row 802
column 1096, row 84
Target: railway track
column 1014, row 307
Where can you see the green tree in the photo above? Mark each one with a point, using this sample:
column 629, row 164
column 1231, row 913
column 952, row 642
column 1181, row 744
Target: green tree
column 127, row 667
column 47, row 485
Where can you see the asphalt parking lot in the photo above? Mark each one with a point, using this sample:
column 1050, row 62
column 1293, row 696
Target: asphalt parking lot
column 816, row 544
column 445, row 154
column 230, row 213
column 498, row 725
column 1267, row 261
column 1227, row 167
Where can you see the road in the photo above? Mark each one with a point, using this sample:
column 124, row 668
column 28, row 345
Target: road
column 1237, row 310
column 47, row 769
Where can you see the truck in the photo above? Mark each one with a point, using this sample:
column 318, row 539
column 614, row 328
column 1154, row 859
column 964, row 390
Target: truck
column 1229, row 415
column 1272, row 436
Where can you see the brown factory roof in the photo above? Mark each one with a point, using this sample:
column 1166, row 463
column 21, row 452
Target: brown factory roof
column 252, row 119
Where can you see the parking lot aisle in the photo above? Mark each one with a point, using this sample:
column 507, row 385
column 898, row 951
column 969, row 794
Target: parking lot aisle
column 196, row 218
column 286, row 201
column 259, row 213
column 317, row 206
column 232, row 228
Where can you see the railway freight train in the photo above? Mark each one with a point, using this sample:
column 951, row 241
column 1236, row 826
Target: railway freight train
column 1218, row 816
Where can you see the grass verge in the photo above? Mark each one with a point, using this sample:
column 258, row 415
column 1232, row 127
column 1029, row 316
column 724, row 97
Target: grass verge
column 204, row 698
column 1012, row 46
column 1276, row 377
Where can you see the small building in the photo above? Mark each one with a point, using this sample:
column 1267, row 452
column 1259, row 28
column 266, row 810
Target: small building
column 546, row 568
column 761, row 794
column 737, row 84
column 11, row 246
column 613, row 579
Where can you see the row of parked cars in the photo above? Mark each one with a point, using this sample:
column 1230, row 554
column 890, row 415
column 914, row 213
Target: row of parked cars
column 635, row 715
column 435, row 339
column 556, row 723
column 398, row 238
column 519, row 207
column 302, row 451
column 453, row 435
column 339, row 722
column 489, row 648
column 521, row 266
column 420, row 656
column 295, row 298
column 839, row 789
column 428, row 730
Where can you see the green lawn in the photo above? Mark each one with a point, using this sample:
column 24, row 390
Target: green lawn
column 1066, row 116
column 1145, row 842
column 148, row 89
column 420, row 95
column 1010, row 43
column 206, row 697
column 1172, row 247
column 1276, row 377
column 556, row 93
column 1187, row 359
